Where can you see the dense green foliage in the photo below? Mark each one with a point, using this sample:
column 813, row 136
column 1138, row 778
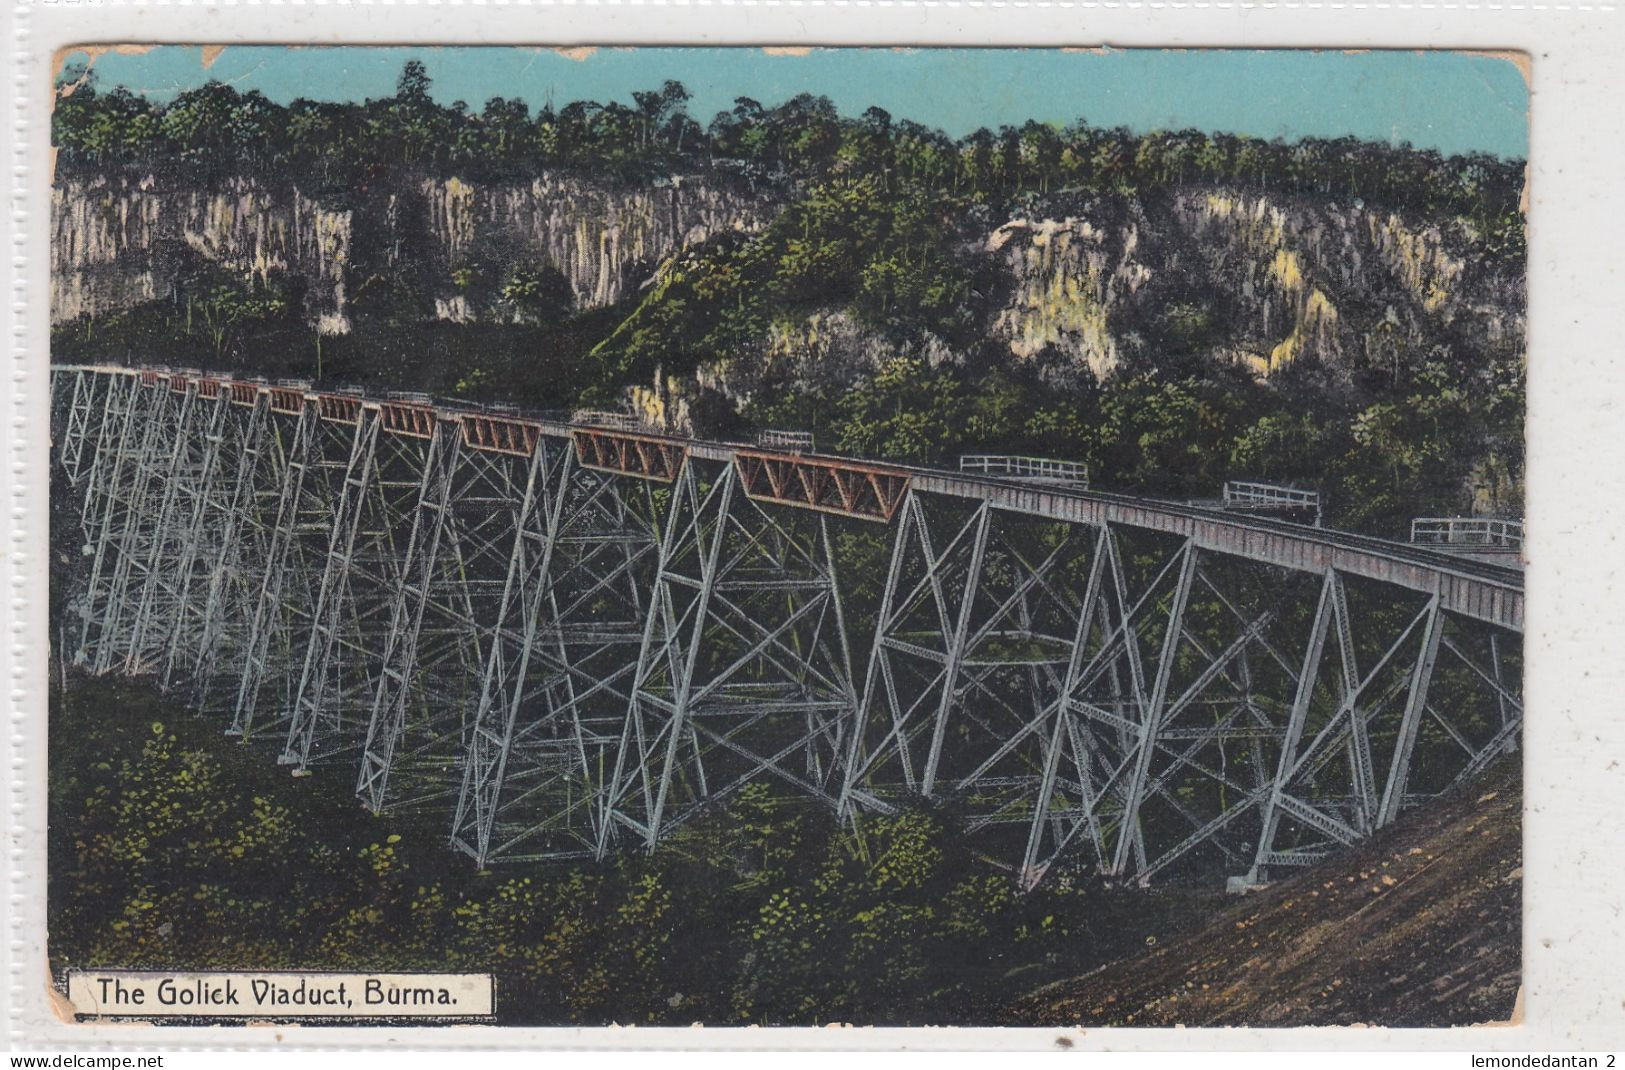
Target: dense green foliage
column 1379, row 461
column 214, row 130
column 845, row 244
column 172, row 845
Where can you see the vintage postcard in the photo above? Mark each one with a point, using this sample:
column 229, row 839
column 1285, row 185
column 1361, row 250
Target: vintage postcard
column 786, row 536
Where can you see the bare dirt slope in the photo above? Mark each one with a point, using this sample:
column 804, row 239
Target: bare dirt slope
column 1420, row 927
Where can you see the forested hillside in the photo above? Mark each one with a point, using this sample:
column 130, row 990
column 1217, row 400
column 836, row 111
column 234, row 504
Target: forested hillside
column 168, row 847
column 1173, row 307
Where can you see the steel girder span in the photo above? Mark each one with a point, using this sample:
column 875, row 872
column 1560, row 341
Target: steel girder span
column 564, row 639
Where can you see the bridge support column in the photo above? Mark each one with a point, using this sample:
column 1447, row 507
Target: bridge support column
column 436, row 735
column 1361, row 772
column 101, row 493
column 147, row 538
column 743, row 672
column 63, row 386
column 124, row 508
column 1324, row 793
column 1131, row 836
column 302, row 506
column 190, row 483
column 973, row 638
column 195, row 642
column 199, row 525
column 1510, row 708
column 82, row 402
column 320, row 718
column 119, row 395
column 1298, row 717
column 1148, row 761
column 1399, row 770
column 1053, row 827
column 513, row 641
column 558, row 668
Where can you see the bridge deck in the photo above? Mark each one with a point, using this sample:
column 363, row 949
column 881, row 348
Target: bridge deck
column 1490, row 592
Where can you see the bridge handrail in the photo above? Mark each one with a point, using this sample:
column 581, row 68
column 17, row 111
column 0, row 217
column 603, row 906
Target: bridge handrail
column 1241, row 492
column 619, row 421
column 1467, row 531
column 1024, row 467
column 796, row 440
column 410, row 397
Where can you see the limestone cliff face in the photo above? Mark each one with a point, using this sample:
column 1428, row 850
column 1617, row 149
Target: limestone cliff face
column 826, row 349
column 1267, row 282
column 1067, row 275
column 117, row 244
column 1108, row 283
column 604, row 240
column 823, row 353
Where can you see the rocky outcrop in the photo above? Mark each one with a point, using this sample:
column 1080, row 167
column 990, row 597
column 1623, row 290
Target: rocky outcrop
column 604, row 240
column 1066, row 277
column 115, row 244
column 1215, row 275
column 1266, row 282
column 1101, row 281
column 821, row 355
column 118, row 243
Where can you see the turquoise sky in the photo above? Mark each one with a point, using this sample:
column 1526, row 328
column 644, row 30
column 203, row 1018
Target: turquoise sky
column 1447, row 101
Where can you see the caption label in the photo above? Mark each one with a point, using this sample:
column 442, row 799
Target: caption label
column 239, row 994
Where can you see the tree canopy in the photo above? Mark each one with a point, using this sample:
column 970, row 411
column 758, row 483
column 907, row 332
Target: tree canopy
column 217, row 130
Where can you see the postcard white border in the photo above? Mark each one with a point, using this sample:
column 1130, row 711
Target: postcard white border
column 1574, row 930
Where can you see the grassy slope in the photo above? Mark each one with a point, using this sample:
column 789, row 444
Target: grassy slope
column 1420, row 927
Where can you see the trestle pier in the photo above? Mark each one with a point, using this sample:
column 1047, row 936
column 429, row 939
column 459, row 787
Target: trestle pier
column 570, row 637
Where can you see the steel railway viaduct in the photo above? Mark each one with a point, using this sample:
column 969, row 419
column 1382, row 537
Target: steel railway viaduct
column 567, row 638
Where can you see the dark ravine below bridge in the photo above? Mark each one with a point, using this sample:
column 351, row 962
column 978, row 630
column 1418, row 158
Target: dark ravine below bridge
column 570, row 638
